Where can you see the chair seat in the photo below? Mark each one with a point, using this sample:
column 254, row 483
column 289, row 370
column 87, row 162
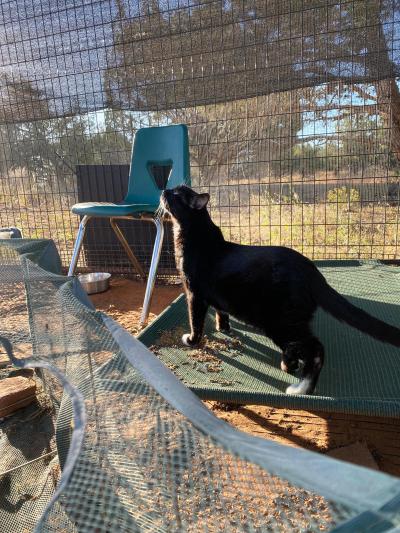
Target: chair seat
column 108, row 209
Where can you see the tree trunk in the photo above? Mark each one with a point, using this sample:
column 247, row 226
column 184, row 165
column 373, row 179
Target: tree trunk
column 388, row 102
column 387, row 91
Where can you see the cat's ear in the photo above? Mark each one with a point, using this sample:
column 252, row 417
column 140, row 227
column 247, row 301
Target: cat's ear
column 199, row 200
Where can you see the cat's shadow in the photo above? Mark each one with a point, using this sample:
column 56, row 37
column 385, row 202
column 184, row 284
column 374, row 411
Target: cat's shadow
column 258, row 351
column 249, row 371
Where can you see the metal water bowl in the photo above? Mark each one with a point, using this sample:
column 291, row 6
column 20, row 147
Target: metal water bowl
column 95, row 282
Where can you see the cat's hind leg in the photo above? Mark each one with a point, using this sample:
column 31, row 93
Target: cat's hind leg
column 290, row 356
column 310, row 353
column 222, row 321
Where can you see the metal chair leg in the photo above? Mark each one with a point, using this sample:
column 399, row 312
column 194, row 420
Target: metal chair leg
column 129, row 253
column 153, row 270
column 78, row 245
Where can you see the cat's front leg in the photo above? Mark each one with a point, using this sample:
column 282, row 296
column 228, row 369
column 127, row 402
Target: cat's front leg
column 222, row 321
column 197, row 308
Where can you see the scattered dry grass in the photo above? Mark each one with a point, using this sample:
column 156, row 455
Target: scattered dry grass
column 320, row 231
column 205, row 357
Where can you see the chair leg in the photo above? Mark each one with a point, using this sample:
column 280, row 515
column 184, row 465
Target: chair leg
column 78, row 245
column 153, row 270
column 129, row 253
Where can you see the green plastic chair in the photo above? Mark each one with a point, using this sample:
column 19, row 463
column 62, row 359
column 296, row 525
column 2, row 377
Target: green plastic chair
column 164, row 148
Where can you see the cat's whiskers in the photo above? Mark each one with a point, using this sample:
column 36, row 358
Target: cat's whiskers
column 160, row 212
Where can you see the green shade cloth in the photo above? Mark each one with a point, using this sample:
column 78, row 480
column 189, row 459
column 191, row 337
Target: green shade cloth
column 42, row 252
column 360, row 376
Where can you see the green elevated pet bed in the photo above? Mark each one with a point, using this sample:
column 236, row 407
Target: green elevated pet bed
column 360, row 375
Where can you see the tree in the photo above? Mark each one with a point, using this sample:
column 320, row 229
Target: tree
column 370, row 94
column 49, row 150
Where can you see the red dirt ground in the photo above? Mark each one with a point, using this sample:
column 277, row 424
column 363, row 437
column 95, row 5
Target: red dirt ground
column 123, row 302
column 379, row 438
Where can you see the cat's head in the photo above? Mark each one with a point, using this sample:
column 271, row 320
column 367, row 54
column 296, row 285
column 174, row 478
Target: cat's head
column 182, row 203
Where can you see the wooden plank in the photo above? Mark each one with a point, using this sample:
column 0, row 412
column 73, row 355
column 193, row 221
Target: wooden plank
column 357, row 453
column 16, row 392
column 318, row 431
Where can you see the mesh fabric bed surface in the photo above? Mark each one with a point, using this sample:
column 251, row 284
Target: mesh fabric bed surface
column 360, row 375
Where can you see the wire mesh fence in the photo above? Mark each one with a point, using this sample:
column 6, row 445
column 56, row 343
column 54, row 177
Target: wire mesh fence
column 293, row 111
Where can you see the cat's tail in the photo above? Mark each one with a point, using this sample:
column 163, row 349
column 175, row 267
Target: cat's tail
column 335, row 304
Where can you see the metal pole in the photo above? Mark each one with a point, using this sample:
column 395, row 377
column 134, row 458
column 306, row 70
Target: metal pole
column 153, row 270
column 78, row 245
column 133, row 259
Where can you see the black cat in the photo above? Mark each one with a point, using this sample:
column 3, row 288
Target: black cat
column 272, row 288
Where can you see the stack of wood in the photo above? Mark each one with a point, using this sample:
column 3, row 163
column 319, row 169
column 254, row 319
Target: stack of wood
column 16, row 392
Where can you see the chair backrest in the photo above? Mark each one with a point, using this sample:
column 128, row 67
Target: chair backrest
column 160, row 160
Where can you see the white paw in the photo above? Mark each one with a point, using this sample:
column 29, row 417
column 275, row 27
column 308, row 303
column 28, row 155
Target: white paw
column 186, row 339
column 284, row 367
column 301, row 388
column 292, row 389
